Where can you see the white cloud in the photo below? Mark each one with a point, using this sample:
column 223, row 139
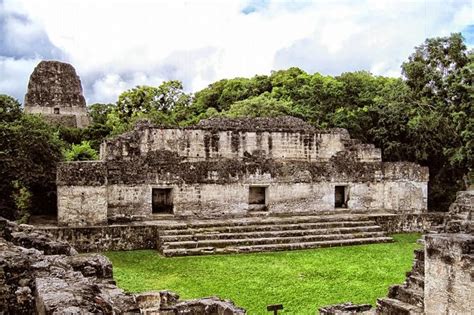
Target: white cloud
column 14, row 74
column 115, row 45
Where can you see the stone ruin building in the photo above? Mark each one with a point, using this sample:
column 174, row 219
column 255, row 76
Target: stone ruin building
column 55, row 91
column 277, row 172
column 223, row 186
column 234, row 168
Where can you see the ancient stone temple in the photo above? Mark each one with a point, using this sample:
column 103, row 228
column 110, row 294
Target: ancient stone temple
column 55, row 91
column 222, row 168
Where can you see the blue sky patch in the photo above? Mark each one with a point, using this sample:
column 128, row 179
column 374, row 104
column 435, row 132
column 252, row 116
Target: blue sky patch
column 468, row 33
column 255, row 6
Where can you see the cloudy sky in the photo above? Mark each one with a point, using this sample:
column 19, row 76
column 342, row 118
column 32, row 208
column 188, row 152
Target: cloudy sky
column 118, row 44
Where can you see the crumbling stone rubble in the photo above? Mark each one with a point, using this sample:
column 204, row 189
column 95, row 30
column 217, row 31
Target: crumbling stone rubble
column 40, row 276
column 283, row 123
column 441, row 279
column 459, row 218
column 346, row 308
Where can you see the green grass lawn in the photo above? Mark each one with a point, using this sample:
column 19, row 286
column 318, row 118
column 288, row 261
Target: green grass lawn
column 301, row 280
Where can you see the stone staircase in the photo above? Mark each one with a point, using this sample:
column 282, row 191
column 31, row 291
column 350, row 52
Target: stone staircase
column 257, row 234
column 406, row 299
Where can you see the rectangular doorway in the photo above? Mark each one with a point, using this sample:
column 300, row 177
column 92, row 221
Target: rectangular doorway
column 162, row 200
column 257, row 198
column 340, row 197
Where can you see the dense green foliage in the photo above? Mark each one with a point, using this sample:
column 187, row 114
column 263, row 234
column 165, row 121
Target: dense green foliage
column 10, row 109
column 424, row 117
column 301, row 280
column 259, row 106
column 81, row 152
column 29, row 152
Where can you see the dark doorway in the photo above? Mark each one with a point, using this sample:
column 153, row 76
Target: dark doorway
column 56, row 111
column 257, row 198
column 162, row 200
column 340, row 197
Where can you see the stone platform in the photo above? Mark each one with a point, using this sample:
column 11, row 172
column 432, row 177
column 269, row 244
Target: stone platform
column 267, row 234
column 178, row 237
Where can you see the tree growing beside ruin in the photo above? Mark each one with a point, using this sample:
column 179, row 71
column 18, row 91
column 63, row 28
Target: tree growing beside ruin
column 29, row 152
column 146, row 99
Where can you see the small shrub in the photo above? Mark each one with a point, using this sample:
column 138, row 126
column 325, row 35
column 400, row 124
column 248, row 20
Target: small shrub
column 22, row 198
column 81, row 152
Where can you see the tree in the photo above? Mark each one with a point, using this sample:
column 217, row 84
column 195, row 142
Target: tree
column 259, row 106
column 29, row 152
column 116, row 124
column 462, row 116
column 291, row 84
column 209, row 97
column 434, row 68
column 222, row 94
column 99, row 112
column 171, row 95
column 137, row 100
column 144, row 99
column 10, row 108
column 439, row 74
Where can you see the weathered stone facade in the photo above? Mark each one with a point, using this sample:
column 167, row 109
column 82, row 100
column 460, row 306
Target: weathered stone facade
column 231, row 168
column 55, row 91
column 449, row 274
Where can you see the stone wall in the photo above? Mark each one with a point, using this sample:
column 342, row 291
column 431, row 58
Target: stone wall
column 82, row 193
column 222, row 189
column 213, row 191
column 402, row 223
column 449, row 274
column 76, row 117
column 66, row 120
column 82, row 205
column 107, row 237
column 272, row 141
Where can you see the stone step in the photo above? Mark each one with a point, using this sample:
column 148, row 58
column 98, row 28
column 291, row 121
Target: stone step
column 272, row 247
column 198, row 235
column 416, row 282
column 389, row 306
column 419, row 267
column 410, row 296
column 173, row 230
column 268, row 240
column 420, row 254
column 276, row 220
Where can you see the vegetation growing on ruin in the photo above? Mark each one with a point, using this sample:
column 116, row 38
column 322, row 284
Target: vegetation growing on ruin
column 301, row 280
column 425, row 117
column 81, row 152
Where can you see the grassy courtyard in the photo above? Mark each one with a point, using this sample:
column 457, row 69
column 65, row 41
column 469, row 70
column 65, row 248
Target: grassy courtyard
column 301, row 280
